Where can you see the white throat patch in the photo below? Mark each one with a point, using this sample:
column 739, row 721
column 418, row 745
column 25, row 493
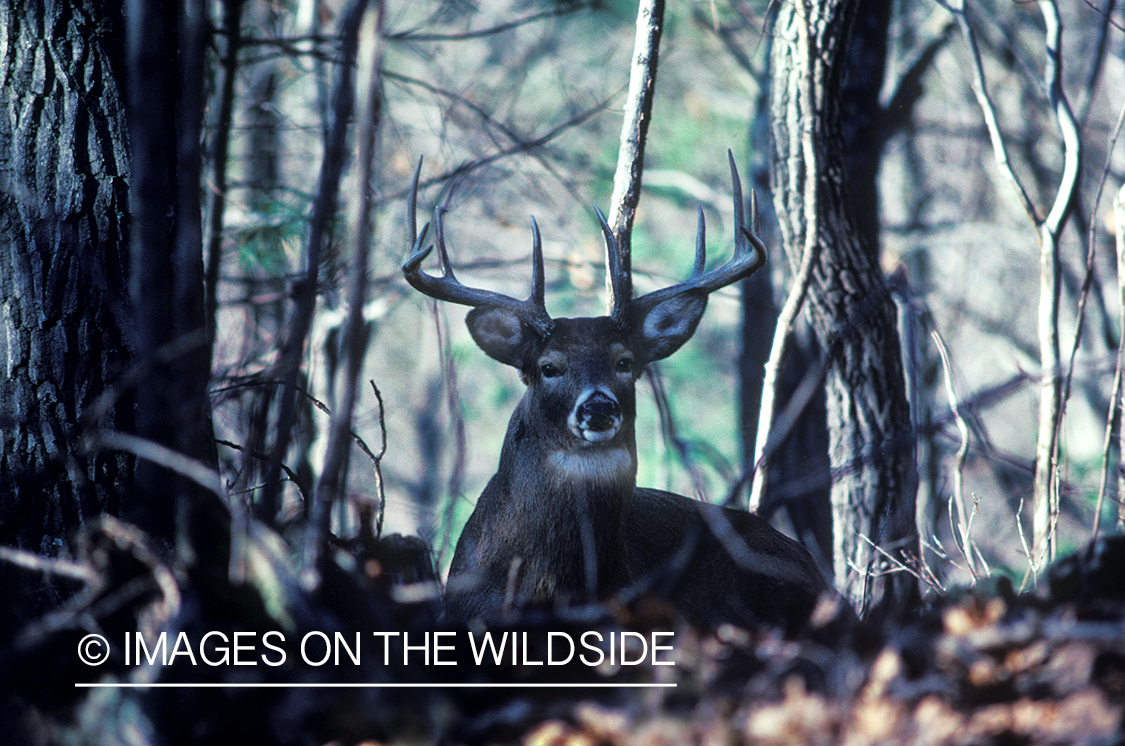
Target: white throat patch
column 599, row 466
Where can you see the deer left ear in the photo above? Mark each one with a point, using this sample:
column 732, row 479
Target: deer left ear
column 665, row 327
column 500, row 333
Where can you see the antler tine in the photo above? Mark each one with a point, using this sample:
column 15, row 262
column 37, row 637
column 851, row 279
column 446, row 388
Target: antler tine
column 742, row 232
column 620, row 289
column 446, row 287
column 749, row 255
column 736, row 187
column 412, row 208
column 538, row 296
column 439, row 241
column 755, row 218
column 700, row 243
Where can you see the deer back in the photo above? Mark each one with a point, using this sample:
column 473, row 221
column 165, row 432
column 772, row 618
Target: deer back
column 715, row 564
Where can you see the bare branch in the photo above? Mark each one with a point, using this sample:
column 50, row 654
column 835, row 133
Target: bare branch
column 528, row 146
column 634, row 128
column 47, row 565
column 1097, row 65
column 958, row 497
column 562, row 10
column 253, row 453
column 1047, row 232
column 455, row 485
column 161, row 455
column 1068, row 126
column 980, row 88
column 671, row 434
column 1051, row 402
column 377, row 459
column 324, row 207
column 368, row 105
column 767, row 441
column 1113, row 416
column 521, row 141
column 232, row 22
column 1115, row 408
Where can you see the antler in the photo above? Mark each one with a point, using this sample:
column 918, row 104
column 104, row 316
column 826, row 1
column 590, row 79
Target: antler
column 532, row 311
column 749, row 256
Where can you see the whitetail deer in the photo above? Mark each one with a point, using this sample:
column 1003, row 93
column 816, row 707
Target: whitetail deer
column 562, row 521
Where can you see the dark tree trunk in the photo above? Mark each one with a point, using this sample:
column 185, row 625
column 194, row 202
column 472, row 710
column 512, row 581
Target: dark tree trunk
column 800, row 463
column 165, row 107
column 63, row 259
column 848, row 304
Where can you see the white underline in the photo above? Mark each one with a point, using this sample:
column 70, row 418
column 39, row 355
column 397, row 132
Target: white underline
column 352, row 685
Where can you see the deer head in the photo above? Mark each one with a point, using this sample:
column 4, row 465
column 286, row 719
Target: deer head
column 585, row 353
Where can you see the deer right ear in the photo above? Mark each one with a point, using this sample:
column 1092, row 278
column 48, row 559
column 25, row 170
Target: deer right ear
column 664, row 328
column 499, row 332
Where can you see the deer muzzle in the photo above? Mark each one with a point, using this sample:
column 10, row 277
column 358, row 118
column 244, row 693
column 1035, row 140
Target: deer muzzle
column 596, row 417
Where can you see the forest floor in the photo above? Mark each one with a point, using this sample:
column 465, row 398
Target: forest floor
column 985, row 666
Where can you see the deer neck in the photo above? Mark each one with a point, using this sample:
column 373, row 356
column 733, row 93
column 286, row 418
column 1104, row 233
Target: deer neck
column 569, row 504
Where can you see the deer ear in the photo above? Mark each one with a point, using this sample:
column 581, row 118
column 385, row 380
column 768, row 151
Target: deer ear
column 499, row 333
column 667, row 325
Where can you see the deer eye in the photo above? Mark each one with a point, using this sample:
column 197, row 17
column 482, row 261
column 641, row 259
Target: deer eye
column 550, row 370
column 625, row 365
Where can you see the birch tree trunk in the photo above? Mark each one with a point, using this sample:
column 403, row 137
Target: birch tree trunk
column 848, row 305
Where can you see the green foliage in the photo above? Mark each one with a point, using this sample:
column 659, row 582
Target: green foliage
column 270, row 238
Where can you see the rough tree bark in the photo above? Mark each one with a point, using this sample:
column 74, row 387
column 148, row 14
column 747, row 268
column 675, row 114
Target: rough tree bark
column 848, row 304
column 63, row 259
column 799, row 461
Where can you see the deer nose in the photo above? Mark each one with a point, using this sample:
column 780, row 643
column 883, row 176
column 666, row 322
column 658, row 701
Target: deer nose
column 598, row 417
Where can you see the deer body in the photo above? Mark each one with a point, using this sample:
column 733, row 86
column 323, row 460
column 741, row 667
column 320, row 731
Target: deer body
column 558, row 500
column 562, row 520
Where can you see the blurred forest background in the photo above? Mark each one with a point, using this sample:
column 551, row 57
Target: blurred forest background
column 515, row 109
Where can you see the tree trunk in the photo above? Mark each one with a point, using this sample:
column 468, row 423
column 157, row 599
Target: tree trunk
column 799, row 463
column 849, row 307
column 165, row 107
column 63, row 258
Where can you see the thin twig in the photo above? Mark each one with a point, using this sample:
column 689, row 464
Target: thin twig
column 958, row 497
column 454, row 487
column 1113, row 417
column 562, row 10
column 671, row 432
column 519, row 147
column 984, row 101
column 1115, row 406
column 62, row 568
column 232, row 22
column 256, row 454
column 334, row 473
column 323, row 210
column 377, row 459
column 486, row 116
column 1101, row 46
column 154, row 452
